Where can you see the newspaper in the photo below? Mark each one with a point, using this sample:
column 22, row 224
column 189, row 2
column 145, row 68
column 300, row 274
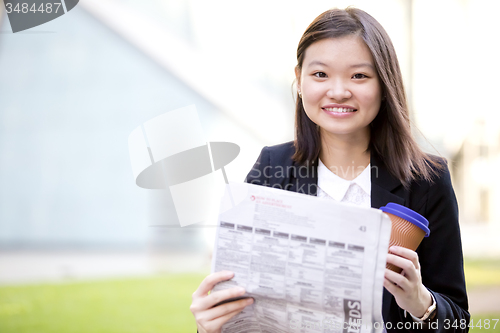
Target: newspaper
column 311, row 264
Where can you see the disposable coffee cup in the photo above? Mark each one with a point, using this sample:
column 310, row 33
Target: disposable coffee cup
column 408, row 228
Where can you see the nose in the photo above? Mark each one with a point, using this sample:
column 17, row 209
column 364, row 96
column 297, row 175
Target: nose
column 338, row 91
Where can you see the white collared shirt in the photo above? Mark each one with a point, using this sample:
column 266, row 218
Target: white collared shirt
column 356, row 191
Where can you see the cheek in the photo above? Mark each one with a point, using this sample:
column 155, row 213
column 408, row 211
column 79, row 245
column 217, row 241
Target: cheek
column 372, row 97
column 312, row 91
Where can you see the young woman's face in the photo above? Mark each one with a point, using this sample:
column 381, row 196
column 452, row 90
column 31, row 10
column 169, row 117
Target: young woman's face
column 340, row 88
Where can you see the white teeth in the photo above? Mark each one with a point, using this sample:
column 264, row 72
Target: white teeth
column 339, row 110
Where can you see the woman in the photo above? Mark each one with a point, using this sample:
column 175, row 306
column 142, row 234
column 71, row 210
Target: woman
column 353, row 137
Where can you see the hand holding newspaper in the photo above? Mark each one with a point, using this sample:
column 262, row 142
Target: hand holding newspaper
column 311, row 264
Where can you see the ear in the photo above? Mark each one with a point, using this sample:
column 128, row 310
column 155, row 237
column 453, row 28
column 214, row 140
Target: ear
column 297, row 75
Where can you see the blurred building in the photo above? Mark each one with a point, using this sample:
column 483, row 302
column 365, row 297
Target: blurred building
column 71, row 91
column 477, row 184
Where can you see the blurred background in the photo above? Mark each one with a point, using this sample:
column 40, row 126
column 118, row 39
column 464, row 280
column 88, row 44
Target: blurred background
column 82, row 248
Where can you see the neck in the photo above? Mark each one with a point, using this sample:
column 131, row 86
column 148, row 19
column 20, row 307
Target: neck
column 346, row 156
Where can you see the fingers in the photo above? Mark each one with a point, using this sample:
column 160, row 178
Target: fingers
column 226, row 310
column 217, row 323
column 407, row 260
column 210, row 281
column 219, row 296
column 210, row 318
column 412, row 297
column 214, row 325
column 396, row 279
column 406, row 253
column 394, row 289
column 407, row 265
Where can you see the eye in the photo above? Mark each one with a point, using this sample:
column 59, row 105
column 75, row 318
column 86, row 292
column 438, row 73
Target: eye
column 320, row 74
column 359, row 76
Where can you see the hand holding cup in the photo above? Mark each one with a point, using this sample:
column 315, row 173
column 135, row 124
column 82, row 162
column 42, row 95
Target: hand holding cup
column 408, row 228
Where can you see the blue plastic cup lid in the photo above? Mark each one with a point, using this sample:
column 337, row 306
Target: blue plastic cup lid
column 407, row 214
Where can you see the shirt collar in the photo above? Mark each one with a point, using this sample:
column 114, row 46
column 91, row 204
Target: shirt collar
column 336, row 187
column 364, row 180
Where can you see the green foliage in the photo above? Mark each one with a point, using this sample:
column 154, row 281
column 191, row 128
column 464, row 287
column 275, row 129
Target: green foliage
column 482, row 273
column 158, row 304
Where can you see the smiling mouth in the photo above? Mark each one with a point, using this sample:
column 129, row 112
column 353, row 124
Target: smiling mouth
column 339, row 109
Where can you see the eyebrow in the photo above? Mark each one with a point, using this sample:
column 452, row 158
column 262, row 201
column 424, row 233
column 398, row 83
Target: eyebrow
column 317, row 62
column 365, row 64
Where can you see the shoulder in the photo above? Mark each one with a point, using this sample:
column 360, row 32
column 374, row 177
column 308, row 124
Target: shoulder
column 424, row 192
column 271, row 159
column 436, row 195
column 440, row 172
column 278, row 154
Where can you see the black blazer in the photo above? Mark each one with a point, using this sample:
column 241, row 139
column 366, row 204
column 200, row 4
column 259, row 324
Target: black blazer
column 440, row 254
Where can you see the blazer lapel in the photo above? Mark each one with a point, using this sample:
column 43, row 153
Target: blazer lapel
column 304, row 178
column 383, row 184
